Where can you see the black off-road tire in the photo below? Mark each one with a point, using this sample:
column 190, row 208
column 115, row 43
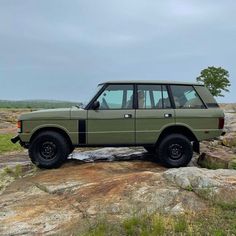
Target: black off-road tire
column 49, row 149
column 175, row 150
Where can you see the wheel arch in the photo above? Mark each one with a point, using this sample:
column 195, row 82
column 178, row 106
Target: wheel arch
column 179, row 129
column 55, row 129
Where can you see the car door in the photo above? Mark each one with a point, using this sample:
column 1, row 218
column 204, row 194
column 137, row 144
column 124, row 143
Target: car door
column 113, row 122
column 193, row 113
column 154, row 112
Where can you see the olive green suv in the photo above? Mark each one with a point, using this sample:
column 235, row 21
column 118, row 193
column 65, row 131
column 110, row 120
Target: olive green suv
column 168, row 119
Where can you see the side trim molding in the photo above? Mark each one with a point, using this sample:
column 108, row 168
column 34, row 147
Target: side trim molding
column 82, row 131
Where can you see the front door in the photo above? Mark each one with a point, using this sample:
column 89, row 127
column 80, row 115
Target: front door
column 113, row 123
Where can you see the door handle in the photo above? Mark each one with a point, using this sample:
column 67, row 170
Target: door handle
column 127, row 116
column 168, row 115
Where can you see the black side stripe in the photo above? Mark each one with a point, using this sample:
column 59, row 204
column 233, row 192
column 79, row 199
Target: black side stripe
column 82, row 131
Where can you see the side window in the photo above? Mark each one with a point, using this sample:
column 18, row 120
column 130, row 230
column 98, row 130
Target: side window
column 185, row 97
column 116, row 97
column 207, row 97
column 153, row 97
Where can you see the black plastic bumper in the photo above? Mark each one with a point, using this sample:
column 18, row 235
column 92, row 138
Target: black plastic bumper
column 15, row 139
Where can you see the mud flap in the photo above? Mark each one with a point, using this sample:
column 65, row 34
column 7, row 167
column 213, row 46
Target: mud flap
column 196, row 147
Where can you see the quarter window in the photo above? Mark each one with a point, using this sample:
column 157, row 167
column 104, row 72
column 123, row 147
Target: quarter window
column 116, row 97
column 185, row 97
column 153, row 97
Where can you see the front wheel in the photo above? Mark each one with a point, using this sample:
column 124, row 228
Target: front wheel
column 49, row 149
column 175, row 150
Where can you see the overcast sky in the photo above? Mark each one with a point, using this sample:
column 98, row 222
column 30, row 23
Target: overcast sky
column 54, row 49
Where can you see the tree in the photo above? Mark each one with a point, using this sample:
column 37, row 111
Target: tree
column 215, row 79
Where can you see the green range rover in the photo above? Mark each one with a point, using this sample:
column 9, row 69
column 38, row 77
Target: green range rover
column 167, row 118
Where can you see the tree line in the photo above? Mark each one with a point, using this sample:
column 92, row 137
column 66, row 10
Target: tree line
column 36, row 104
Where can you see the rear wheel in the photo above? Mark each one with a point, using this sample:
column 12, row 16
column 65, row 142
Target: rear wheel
column 175, row 150
column 49, row 149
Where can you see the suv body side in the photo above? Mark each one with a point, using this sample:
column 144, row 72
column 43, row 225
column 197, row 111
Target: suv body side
column 111, row 127
column 167, row 119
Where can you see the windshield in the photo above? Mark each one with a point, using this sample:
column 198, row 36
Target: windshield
column 89, row 98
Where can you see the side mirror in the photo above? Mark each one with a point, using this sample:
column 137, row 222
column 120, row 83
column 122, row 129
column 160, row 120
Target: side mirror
column 96, row 105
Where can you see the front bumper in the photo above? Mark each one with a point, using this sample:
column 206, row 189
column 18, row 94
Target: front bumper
column 15, row 139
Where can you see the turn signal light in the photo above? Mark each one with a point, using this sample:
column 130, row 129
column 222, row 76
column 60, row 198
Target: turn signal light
column 19, row 126
column 221, row 123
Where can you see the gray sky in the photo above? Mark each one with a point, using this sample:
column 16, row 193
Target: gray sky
column 54, row 49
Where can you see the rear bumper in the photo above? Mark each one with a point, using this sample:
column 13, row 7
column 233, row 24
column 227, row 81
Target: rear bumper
column 15, row 139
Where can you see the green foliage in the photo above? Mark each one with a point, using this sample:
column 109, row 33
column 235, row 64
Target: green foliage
column 189, row 188
column 215, row 79
column 99, row 230
column 180, row 225
column 157, row 225
column 131, row 225
column 145, row 225
column 214, row 221
column 218, row 232
column 6, row 145
column 227, row 205
column 36, row 104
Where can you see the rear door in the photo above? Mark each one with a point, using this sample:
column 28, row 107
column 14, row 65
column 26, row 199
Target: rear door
column 192, row 112
column 154, row 112
column 113, row 123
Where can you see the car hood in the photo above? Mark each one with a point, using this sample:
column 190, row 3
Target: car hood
column 62, row 113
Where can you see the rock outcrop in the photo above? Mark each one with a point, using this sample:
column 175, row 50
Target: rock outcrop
column 221, row 153
column 115, row 183
column 79, row 192
column 215, row 185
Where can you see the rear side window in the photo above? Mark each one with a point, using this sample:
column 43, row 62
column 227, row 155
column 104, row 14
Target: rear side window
column 185, row 97
column 153, row 97
column 206, row 96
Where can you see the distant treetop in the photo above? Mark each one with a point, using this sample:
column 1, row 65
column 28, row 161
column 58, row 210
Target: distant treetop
column 215, row 79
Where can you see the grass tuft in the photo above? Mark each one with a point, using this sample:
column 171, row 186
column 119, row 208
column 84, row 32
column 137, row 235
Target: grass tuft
column 6, row 145
column 181, row 225
column 15, row 172
column 216, row 221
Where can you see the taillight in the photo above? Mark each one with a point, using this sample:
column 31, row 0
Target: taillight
column 19, row 126
column 221, row 123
